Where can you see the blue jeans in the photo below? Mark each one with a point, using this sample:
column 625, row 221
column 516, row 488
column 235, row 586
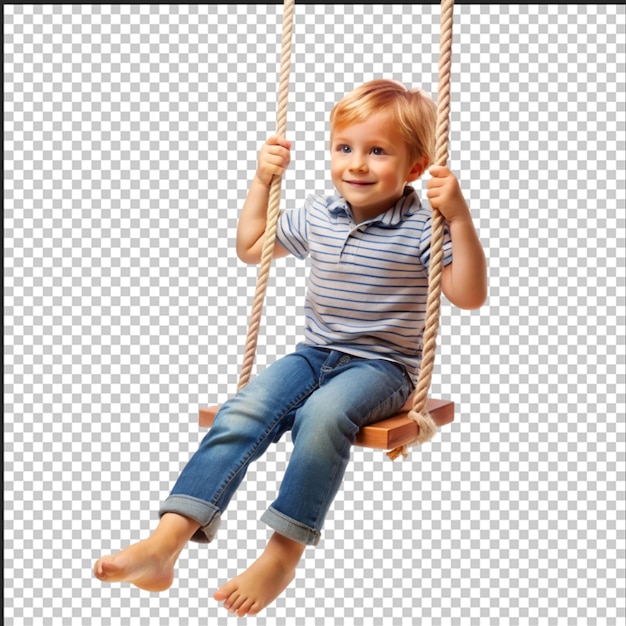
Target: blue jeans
column 324, row 397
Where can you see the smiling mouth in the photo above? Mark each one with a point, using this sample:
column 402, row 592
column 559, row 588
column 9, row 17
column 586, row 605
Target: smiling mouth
column 357, row 183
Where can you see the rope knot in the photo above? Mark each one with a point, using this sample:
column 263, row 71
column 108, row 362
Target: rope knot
column 426, row 430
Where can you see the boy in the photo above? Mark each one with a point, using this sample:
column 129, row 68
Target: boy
column 365, row 308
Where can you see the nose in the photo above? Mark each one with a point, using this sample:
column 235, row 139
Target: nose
column 357, row 162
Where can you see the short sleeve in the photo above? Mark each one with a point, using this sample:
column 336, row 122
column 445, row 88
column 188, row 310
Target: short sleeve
column 292, row 231
column 425, row 244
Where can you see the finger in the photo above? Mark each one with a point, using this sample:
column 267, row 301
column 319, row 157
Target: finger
column 438, row 171
column 278, row 140
column 278, row 148
column 435, row 194
column 277, row 155
column 285, row 143
column 435, row 183
column 282, row 159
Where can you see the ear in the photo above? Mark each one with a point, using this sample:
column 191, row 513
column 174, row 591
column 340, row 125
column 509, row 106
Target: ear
column 417, row 170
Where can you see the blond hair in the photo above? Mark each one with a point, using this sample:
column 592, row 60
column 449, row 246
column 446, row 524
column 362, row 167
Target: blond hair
column 412, row 112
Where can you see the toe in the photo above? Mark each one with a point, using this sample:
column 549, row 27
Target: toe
column 235, row 602
column 245, row 608
column 103, row 568
column 232, row 601
column 224, row 592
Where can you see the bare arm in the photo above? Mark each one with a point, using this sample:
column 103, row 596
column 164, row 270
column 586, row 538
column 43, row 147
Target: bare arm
column 273, row 160
column 464, row 281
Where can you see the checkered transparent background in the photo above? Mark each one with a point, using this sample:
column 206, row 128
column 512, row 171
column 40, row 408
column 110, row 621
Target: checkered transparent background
column 131, row 133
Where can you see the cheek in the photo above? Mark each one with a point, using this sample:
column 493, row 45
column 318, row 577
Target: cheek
column 335, row 170
column 385, row 175
column 392, row 176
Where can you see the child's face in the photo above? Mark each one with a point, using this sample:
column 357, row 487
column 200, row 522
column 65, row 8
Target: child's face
column 370, row 166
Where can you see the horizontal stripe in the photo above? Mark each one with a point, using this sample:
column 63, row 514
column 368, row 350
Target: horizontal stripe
column 367, row 284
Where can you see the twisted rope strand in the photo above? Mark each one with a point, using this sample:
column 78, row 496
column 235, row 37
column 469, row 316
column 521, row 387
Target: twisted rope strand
column 425, row 424
column 273, row 208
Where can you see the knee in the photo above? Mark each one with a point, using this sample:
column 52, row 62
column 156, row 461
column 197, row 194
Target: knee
column 250, row 416
column 235, row 418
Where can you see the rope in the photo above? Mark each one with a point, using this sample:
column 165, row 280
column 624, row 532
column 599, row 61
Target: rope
column 425, row 424
column 273, row 203
column 426, row 427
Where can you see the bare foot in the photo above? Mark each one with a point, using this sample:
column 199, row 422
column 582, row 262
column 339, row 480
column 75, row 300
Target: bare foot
column 250, row 592
column 149, row 564
column 138, row 564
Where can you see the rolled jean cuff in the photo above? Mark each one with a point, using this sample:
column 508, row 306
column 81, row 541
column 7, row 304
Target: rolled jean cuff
column 291, row 528
column 205, row 513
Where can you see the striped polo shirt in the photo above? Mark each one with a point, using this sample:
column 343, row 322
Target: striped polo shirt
column 367, row 285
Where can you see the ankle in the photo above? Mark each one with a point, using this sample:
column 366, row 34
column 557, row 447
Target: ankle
column 285, row 550
column 173, row 533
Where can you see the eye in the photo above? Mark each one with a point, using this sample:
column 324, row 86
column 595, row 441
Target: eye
column 378, row 151
column 343, row 148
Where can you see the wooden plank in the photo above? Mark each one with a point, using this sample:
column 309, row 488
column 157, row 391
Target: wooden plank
column 384, row 435
column 400, row 429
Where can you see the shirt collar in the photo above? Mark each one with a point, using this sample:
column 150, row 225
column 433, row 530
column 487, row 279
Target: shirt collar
column 407, row 205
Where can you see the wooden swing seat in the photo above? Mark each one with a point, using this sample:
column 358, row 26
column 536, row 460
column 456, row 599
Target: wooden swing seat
column 384, row 435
